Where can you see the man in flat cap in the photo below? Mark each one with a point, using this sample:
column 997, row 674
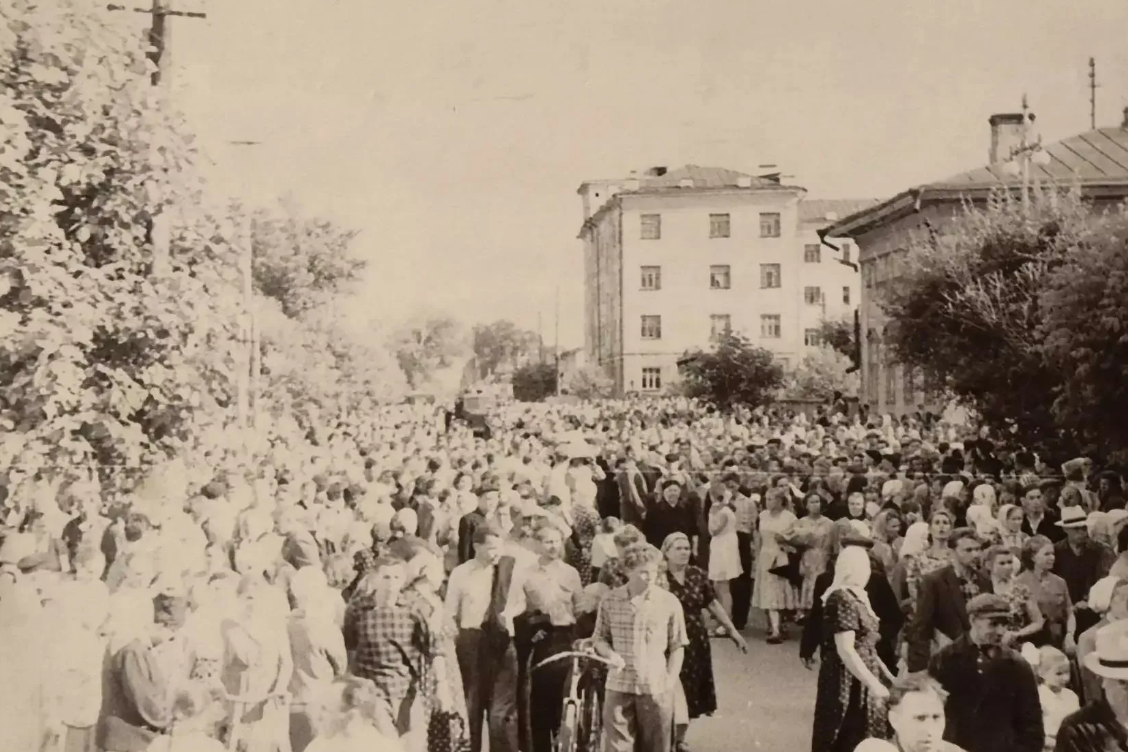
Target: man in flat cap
column 992, row 703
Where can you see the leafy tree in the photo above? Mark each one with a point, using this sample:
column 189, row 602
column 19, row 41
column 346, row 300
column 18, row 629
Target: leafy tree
column 534, row 382
column 821, row 374
column 968, row 310
column 424, row 345
column 501, row 342
column 735, row 372
column 301, row 261
column 590, row 382
column 838, row 334
column 102, row 364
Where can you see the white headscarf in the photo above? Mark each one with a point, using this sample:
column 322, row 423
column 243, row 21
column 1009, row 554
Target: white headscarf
column 984, row 495
column 979, row 516
column 952, row 490
column 916, row 540
column 852, row 572
column 1100, row 595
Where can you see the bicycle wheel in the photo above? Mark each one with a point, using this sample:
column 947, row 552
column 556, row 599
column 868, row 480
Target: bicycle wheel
column 566, row 734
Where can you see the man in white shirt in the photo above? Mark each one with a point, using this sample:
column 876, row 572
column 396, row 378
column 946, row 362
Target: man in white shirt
column 483, row 599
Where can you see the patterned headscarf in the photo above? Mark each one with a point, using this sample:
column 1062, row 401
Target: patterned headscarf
column 671, row 539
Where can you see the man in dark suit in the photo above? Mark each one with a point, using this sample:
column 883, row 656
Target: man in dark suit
column 992, row 703
column 488, row 500
column 1038, row 520
column 942, row 598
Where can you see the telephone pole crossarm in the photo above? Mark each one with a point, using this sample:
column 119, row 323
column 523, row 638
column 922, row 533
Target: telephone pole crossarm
column 160, row 12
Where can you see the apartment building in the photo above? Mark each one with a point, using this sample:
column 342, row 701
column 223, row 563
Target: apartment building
column 674, row 257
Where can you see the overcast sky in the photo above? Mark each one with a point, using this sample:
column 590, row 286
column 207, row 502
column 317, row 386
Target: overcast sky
column 454, row 135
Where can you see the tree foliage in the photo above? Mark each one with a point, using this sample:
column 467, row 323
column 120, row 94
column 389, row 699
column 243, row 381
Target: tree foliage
column 838, row 334
column 819, row 375
column 534, row 382
column 735, row 372
column 427, row 344
column 501, row 342
column 990, row 309
column 590, row 382
column 102, row 363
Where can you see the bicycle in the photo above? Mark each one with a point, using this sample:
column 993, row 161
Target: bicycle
column 582, row 712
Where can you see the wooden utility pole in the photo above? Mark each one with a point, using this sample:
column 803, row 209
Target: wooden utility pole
column 159, row 52
column 248, row 383
column 556, row 339
column 1093, row 93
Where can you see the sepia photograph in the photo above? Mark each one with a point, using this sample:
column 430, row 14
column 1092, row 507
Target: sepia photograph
column 575, row 376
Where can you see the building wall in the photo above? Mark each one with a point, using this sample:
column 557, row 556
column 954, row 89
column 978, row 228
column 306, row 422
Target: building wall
column 603, row 295
column 685, row 252
column 831, row 277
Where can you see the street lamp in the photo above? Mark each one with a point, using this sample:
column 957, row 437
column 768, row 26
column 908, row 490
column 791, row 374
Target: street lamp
column 1029, row 150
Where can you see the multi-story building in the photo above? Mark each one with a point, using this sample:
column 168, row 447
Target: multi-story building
column 672, row 258
column 1096, row 162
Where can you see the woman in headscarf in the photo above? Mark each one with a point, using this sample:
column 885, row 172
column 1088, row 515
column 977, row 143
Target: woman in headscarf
column 886, row 529
column 1010, row 527
column 695, row 592
column 852, row 687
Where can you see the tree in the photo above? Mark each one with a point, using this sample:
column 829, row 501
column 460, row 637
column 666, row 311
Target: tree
column 499, row 343
column 838, row 334
column 426, row 344
column 102, row 364
column 590, row 382
column 534, row 381
column 821, row 374
column 734, row 373
column 968, row 310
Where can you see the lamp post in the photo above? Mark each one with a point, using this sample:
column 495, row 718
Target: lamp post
column 1029, row 150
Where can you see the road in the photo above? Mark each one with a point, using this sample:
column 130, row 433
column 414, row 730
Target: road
column 766, row 699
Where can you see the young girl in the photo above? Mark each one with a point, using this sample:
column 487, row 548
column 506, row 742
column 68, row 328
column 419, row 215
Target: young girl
column 724, row 552
column 603, row 545
column 1058, row 701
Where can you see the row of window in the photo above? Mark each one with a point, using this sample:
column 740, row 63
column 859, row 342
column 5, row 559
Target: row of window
column 720, row 226
column 720, row 278
column 719, row 323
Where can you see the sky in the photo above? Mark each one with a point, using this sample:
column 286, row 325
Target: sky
column 453, row 136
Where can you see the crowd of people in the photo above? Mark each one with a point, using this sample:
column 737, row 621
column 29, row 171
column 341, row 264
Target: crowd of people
column 396, row 583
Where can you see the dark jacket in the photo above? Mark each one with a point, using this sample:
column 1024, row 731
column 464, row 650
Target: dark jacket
column 940, row 606
column 467, row 526
column 1047, row 527
column 992, row 704
column 1093, row 728
column 884, row 604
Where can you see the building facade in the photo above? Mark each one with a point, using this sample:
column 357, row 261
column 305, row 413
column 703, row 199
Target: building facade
column 673, row 258
column 1096, row 162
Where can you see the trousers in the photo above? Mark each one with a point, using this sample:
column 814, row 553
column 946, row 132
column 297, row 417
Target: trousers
column 637, row 723
column 489, row 679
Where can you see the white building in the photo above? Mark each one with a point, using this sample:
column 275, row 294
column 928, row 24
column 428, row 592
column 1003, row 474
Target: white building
column 673, row 257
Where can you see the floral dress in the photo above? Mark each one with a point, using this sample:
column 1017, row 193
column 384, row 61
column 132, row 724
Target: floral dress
column 695, row 594
column 920, row 566
column 814, row 536
column 1018, row 597
column 585, row 526
column 845, row 711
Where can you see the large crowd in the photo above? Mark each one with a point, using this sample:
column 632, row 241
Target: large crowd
column 393, row 585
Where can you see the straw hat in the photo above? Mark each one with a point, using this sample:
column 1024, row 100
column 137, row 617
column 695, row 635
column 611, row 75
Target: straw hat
column 1073, row 517
column 1110, row 658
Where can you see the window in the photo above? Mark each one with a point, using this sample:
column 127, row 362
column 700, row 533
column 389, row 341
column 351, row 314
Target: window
column 812, row 295
column 846, row 295
column 651, row 278
column 652, row 327
column 846, row 252
column 769, row 275
column 651, row 226
column 769, row 225
column 812, row 253
column 769, row 326
column 720, row 277
column 651, row 379
column 719, row 226
column 720, row 323
column 812, row 337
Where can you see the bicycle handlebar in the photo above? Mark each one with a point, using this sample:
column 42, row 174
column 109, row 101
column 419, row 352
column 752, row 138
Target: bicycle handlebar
column 574, row 654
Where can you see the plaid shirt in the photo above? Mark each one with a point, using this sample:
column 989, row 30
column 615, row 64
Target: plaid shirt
column 391, row 644
column 644, row 630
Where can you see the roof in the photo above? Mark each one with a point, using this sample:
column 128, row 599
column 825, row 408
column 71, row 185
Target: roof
column 829, row 210
column 1096, row 161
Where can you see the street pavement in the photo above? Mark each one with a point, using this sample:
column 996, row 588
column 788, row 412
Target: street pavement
column 766, row 699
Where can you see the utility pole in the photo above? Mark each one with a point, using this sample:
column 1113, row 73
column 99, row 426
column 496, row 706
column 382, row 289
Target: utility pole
column 556, row 340
column 159, row 38
column 1093, row 93
column 540, row 339
column 248, row 382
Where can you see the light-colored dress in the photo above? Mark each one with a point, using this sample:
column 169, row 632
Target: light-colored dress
column 772, row 592
column 814, row 535
column 724, row 549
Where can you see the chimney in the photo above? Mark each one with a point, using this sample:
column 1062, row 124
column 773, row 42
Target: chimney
column 1006, row 134
column 1124, row 122
column 656, row 172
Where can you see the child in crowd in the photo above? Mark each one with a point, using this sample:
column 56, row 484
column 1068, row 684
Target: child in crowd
column 1058, row 701
column 603, row 545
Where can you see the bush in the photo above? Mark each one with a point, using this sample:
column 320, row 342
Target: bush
column 735, row 372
